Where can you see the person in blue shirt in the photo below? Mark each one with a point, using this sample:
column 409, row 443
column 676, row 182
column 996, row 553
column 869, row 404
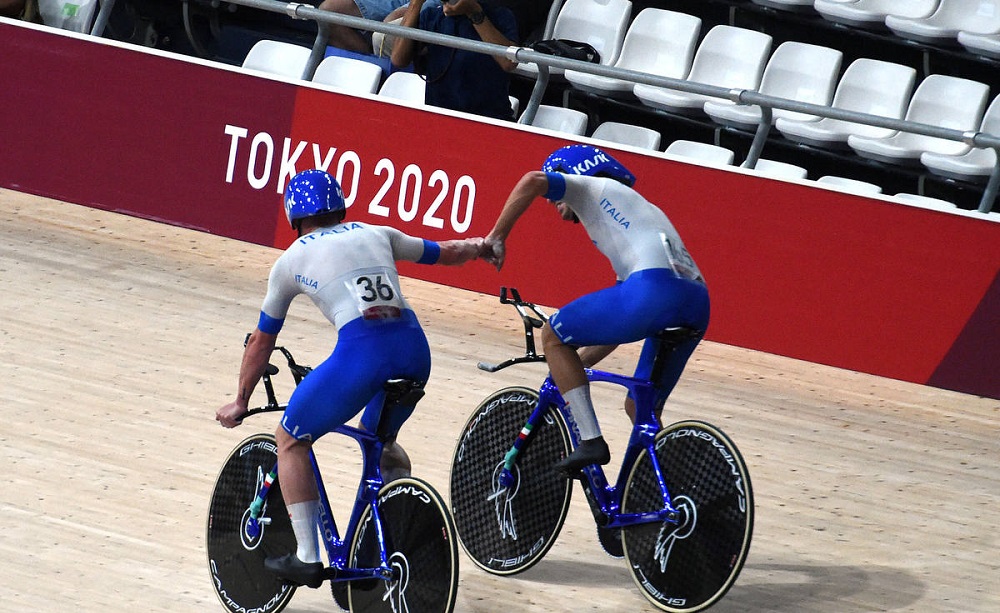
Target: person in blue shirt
column 457, row 79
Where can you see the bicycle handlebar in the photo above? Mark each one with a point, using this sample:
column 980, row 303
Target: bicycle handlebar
column 533, row 317
column 298, row 372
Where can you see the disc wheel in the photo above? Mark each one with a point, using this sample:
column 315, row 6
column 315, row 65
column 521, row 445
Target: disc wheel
column 421, row 549
column 235, row 551
column 690, row 564
column 506, row 531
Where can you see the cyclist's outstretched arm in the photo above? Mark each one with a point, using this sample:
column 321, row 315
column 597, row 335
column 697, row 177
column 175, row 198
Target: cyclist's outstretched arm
column 255, row 357
column 460, row 251
column 532, row 185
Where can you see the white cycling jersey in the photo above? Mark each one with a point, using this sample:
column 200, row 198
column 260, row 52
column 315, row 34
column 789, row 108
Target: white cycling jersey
column 347, row 270
column 630, row 231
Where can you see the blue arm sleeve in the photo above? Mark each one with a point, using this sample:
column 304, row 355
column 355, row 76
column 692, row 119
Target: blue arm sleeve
column 269, row 324
column 432, row 252
column 557, row 186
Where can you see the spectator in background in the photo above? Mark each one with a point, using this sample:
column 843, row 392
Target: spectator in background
column 348, row 38
column 531, row 16
column 457, row 79
column 26, row 10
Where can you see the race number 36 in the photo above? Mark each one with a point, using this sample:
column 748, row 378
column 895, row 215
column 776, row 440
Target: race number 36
column 372, row 290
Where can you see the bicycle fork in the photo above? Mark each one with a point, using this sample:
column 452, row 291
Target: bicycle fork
column 254, row 520
column 506, row 478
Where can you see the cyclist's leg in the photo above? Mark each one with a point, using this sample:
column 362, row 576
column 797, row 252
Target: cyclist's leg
column 688, row 306
column 410, row 359
column 689, row 564
column 330, row 395
column 421, row 548
column 236, row 547
column 626, row 312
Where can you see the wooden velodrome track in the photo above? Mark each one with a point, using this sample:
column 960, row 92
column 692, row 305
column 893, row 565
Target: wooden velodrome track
column 119, row 337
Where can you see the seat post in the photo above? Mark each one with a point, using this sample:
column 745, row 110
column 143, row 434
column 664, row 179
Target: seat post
column 669, row 339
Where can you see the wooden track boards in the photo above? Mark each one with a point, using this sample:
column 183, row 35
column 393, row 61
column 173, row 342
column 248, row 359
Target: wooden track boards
column 119, row 337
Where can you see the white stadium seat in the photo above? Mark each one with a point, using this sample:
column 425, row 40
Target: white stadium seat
column 277, row 58
column 658, row 42
column 853, row 186
column 560, row 119
column 348, row 74
column 987, row 45
column 779, row 170
column 975, row 164
column 599, row 23
column 407, row 86
column 926, row 202
column 872, row 13
column 868, row 86
column 796, row 71
column 704, row 152
column 940, row 100
column 628, row 134
column 950, row 18
column 728, row 57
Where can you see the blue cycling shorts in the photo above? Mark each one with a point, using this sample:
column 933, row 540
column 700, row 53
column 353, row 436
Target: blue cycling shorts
column 636, row 309
column 366, row 356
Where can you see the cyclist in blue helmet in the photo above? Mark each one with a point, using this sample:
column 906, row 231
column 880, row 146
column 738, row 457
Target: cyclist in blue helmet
column 348, row 270
column 658, row 283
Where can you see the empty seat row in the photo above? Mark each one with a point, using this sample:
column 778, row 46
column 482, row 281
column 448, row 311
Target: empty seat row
column 736, row 58
column 741, row 59
column 974, row 24
column 721, row 156
column 884, row 89
column 290, row 60
column 571, row 121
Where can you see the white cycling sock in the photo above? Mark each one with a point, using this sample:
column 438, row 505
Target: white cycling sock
column 579, row 403
column 303, row 516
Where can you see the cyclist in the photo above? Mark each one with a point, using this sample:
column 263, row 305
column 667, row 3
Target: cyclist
column 659, row 285
column 347, row 268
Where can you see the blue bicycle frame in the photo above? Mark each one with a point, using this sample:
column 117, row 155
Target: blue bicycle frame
column 337, row 547
column 605, row 498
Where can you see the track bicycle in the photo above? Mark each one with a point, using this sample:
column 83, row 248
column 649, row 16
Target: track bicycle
column 399, row 552
column 681, row 510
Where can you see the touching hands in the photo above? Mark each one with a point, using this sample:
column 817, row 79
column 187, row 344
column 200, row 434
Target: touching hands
column 491, row 249
column 494, row 251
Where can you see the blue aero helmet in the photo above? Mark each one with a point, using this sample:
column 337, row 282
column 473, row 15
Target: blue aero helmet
column 310, row 193
column 586, row 160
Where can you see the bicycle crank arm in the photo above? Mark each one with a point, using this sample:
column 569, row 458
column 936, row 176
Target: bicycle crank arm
column 359, row 574
column 633, row 519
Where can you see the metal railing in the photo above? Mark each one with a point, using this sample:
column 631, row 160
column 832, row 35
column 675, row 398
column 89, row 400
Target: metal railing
column 544, row 61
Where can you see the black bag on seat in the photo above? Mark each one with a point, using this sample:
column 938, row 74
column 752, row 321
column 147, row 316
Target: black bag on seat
column 569, row 49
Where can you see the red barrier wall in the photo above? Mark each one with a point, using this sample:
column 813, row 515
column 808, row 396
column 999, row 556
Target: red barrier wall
column 854, row 282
